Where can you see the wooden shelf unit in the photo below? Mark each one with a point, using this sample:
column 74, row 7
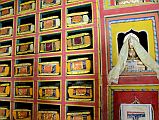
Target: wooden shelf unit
column 34, row 17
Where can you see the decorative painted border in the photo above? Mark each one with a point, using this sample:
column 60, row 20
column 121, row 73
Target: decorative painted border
column 115, row 88
column 112, row 4
column 132, row 20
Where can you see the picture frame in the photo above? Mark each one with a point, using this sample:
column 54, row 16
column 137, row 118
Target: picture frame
column 136, row 112
column 128, row 24
column 133, row 91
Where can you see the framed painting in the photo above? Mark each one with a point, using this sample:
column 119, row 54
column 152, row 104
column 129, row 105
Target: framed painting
column 121, row 99
column 136, row 112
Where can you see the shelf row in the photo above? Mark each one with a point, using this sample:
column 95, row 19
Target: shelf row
column 26, row 6
column 76, row 90
column 7, row 8
column 48, row 66
column 52, row 18
column 76, row 40
column 45, row 111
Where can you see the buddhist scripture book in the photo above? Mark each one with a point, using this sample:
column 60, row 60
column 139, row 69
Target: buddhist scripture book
column 78, row 18
column 48, row 115
column 23, row 91
column 78, row 66
column 5, row 31
column 77, row 41
column 4, row 90
column 22, row 114
column 4, row 70
column 27, row 6
column 4, row 113
column 80, row 93
column 6, row 11
column 24, row 69
column 78, row 116
column 50, row 45
column 48, row 23
column 49, row 92
column 49, row 68
column 50, row 3
column 26, row 28
column 5, row 50
column 24, row 48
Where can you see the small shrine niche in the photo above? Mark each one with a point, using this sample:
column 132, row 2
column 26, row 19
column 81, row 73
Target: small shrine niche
column 133, row 63
column 142, row 35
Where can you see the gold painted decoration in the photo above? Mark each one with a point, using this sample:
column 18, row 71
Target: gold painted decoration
column 77, row 41
column 5, row 50
column 4, row 70
column 25, row 48
column 22, row 114
column 4, row 113
column 50, row 3
column 79, row 116
column 78, row 66
column 6, row 31
column 50, row 45
column 48, row 23
column 27, row 6
column 23, row 91
column 80, row 93
column 6, row 11
column 48, row 115
column 26, row 28
column 49, row 68
column 78, row 18
column 49, row 92
column 4, row 90
column 24, row 69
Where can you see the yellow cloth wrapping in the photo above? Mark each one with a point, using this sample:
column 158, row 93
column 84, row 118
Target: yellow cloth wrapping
column 122, row 58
